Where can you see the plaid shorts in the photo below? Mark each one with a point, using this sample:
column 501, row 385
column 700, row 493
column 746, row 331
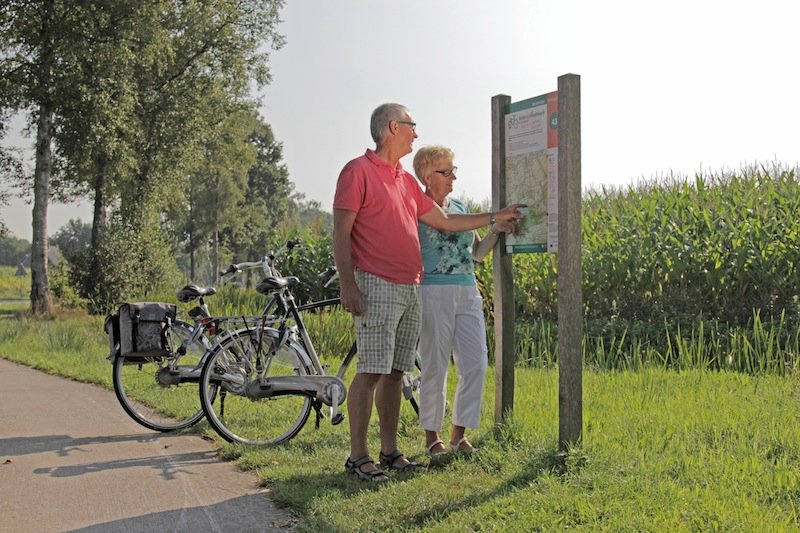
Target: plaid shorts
column 388, row 330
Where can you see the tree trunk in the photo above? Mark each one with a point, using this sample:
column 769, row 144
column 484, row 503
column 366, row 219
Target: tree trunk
column 99, row 214
column 192, row 238
column 40, row 290
column 191, row 264
column 99, row 220
column 215, row 271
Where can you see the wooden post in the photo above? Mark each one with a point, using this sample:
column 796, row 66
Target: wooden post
column 503, row 281
column 570, row 279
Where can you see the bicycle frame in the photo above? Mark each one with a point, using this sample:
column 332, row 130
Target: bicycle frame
column 328, row 389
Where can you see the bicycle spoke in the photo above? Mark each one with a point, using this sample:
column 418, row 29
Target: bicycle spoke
column 236, row 363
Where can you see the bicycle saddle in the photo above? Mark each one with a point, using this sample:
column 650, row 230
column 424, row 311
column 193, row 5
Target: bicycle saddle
column 192, row 292
column 269, row 284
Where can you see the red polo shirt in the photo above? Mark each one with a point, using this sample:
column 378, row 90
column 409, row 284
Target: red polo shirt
column 387, row 201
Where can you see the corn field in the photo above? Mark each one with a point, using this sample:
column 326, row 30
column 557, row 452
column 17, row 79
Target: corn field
column 681, row 272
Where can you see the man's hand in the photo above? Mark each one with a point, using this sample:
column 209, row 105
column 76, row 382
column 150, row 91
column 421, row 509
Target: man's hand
column 351, row 298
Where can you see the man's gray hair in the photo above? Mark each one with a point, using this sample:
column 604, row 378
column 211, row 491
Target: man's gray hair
column 381, row 118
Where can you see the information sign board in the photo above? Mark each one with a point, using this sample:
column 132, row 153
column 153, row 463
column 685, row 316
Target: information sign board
column 531, row 171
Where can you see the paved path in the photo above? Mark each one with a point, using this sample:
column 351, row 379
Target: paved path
column 72, row 460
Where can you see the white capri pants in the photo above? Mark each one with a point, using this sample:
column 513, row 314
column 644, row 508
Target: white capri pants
column 452, row 322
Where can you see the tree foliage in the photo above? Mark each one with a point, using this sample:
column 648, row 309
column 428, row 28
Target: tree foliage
column 268, row 197
column 137, row 97
column 13, row 250
column 72, row 239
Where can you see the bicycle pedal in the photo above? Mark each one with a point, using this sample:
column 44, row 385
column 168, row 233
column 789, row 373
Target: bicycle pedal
column 338, row 419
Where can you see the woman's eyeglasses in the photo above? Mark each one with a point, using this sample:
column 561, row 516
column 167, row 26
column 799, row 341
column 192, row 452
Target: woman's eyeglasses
column 447, row 173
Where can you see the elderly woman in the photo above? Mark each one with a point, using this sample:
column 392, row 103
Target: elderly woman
column 452, row 311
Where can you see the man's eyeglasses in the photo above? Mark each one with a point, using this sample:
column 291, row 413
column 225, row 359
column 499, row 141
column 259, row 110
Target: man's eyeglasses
column 447, row 173
column 412, row 124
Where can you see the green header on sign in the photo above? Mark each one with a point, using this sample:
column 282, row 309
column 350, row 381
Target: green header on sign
column 526, row 104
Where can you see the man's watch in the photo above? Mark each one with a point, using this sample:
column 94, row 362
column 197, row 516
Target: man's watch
column 491, row 217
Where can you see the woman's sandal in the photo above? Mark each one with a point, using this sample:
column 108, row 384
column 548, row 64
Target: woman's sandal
column 373, row 476
column 433, row 445
column 388, row 461
column 456, row 447
column 438, row 457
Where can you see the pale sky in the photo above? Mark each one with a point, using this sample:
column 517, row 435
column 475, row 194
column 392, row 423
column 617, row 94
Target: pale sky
column 682, row 87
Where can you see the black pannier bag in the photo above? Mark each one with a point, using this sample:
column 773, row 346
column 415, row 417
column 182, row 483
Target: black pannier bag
column 141, row 329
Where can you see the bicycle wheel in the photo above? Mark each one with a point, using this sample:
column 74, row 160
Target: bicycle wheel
column 152, row 394
column 236, row 362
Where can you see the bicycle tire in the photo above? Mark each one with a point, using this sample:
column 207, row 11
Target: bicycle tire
column 159, row 406
column 235, row 416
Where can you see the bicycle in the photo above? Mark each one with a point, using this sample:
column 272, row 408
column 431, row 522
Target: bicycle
column 159, row 378
column 269, row 375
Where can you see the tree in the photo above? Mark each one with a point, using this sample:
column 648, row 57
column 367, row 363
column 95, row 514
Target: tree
column 207, row 55
column 218, row 188
column 28, row 39
column 72, row 239
column 237, row 198
column 268, row 197
column 10, row 171
column 36, row 43
column 130, row 92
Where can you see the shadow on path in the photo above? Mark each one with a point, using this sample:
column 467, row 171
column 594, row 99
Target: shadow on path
column 231, row 515
column 63, row 445
column 167, row 465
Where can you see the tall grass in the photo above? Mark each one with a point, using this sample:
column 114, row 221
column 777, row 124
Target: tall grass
column 757, row 348
column 71, row 344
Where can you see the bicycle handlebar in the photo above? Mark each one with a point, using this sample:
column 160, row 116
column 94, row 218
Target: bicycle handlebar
column 265, row 263
column 328, row 276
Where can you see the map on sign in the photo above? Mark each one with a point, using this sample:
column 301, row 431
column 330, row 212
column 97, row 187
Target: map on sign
column 531, row 172
column 531, row 189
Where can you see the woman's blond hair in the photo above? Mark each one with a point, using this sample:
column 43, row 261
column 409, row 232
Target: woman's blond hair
column 428, row 158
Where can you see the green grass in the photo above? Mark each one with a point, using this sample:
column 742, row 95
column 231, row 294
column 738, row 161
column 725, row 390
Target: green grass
column 71, row 346
column 13, row 287
column 663, row 450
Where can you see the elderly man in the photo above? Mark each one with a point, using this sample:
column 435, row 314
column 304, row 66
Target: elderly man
column 377, row 253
